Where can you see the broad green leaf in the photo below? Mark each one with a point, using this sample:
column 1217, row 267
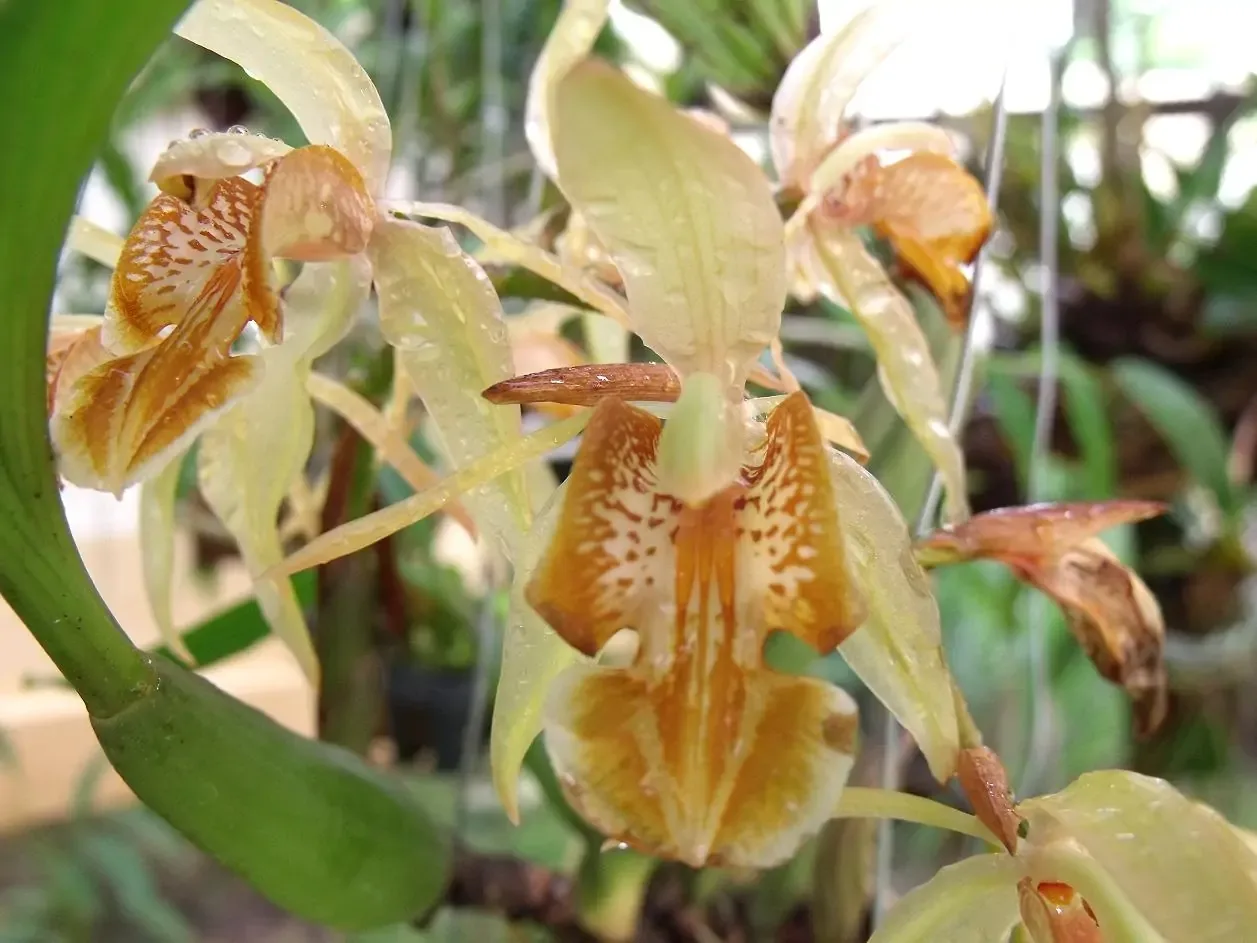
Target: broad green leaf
column 973, row 901
column 1186, row 420
column 157, row 549
column 307, row 68
column 570, row 41
column 905, row 365
column 237, row 628
column 249, row 458
column 1179, row 864
column 688, row 218
column 898, row 652
column 440, row 313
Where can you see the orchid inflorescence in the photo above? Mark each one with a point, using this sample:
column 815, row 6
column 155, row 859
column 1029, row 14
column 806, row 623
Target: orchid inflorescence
column 699, row 518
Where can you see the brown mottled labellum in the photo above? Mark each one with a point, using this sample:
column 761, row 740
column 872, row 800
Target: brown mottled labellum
column 985, row 781
column 698, row 751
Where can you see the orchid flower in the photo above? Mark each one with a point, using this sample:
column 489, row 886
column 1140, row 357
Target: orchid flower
column 197, row 267
column 706, row 532
column 934, row 214
column 1055, row 548
column 1116, row 857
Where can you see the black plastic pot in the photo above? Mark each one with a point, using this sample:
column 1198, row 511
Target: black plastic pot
column 428, row 712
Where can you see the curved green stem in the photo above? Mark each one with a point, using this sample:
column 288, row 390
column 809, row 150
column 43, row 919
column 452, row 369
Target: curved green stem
column 44, row 49
column 864, row 802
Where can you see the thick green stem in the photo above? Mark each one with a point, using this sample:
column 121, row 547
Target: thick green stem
column 610, row 890
column 72, row 58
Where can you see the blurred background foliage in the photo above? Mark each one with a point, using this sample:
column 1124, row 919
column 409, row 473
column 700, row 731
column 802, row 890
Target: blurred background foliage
column 1156, row 398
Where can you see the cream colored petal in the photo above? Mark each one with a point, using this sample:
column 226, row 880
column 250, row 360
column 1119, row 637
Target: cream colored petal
column 573, row 35
column 251, row 456
column 533, row 655
column 687, row 216
column 898, row 652
column 157, row 549
column 363, row 532
column 899, row 136
column 507, row 248
column 307, row 68
column 211, row 156
column 438, row 309
column 812, row 99
column 95, row 242
column 372, row 425
column 74, row 323
column 973, row 901
column 905, row 365
column 1179, row 864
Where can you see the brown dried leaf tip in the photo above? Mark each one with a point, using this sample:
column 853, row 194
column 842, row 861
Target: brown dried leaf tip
column 985, row 782
column 1055, row 548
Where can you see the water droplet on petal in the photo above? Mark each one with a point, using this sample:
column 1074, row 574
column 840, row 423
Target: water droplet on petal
column 198, row 133
column 237, row 129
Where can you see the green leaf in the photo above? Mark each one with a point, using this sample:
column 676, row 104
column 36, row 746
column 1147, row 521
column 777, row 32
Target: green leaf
column 1014, row 411
column 120, row 865
column 1188, row 423
column 236, row 629
column 1088, row 415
